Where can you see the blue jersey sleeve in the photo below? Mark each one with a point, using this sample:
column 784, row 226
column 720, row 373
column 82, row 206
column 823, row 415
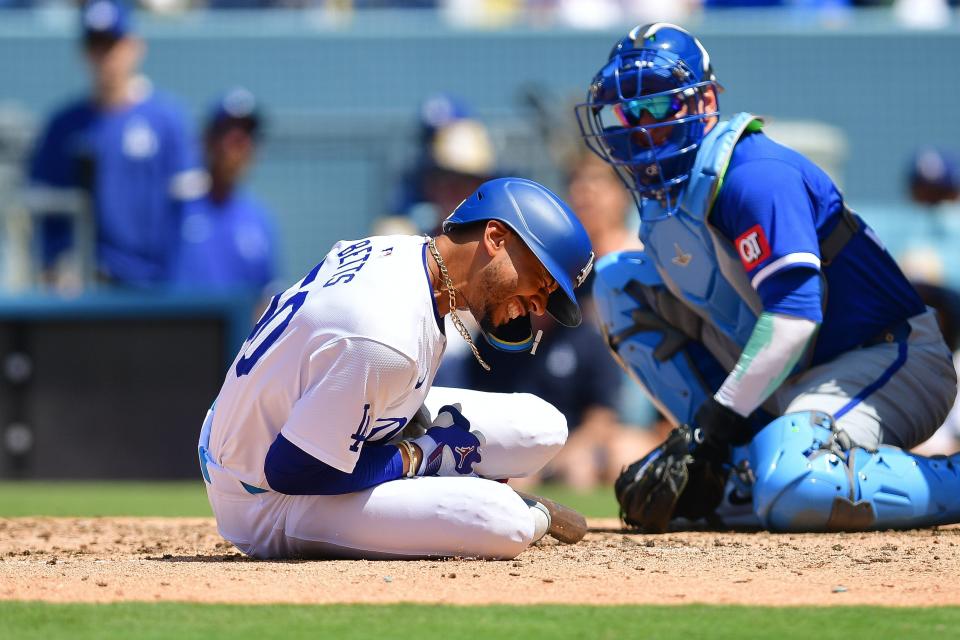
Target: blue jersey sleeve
column 793, row 292
column 51, row 164
column 292, row 471
column 766, row 210
column 54, row 163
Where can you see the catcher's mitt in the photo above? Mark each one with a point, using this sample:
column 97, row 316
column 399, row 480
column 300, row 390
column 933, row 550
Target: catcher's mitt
column 669, row 482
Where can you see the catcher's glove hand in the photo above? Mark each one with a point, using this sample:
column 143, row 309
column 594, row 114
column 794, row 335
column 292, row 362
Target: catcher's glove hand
column 669, row 482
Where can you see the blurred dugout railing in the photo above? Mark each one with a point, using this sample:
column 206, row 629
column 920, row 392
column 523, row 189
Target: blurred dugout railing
column 16, row 134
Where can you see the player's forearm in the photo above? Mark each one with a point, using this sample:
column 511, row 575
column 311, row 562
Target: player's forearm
column 292, row 471
column 777, row 343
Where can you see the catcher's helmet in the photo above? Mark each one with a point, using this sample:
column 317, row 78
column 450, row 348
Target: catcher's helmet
column 662, row 71
column 550, row 230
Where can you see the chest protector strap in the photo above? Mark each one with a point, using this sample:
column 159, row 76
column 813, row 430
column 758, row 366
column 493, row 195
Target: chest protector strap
column 833, row 244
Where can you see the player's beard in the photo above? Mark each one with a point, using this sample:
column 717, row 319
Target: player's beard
column 493, row 290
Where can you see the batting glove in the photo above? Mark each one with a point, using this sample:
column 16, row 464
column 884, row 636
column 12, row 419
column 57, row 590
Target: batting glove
column 449, row 447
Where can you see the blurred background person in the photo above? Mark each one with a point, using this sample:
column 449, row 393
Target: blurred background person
column 933, row 176
column 927, row 245
column 946, row 301
column 129, row 148
column 924, row 238
column 228, row 239
column 610, row 432
column 609, row 216
column 603, row 205
column 455, row 156
column 435, row 112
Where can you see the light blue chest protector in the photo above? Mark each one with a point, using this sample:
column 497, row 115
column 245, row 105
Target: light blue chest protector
column 696, row 263
column 678, row 314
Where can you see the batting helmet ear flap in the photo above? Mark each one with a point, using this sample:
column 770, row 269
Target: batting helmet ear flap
column 516, row 335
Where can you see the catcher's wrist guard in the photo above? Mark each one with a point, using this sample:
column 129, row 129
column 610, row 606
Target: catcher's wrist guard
column 721, row 426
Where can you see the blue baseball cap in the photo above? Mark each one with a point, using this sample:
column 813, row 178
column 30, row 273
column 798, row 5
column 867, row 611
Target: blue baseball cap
column 440, row 109
column 105, row 20
column 236, row 107
column 935, row 167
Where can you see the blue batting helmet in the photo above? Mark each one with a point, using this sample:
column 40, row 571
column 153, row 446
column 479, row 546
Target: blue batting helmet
column 644, row 112
column 550, row 230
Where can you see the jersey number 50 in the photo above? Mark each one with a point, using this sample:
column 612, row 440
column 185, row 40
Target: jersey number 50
column 268, row 329
column 272, row 324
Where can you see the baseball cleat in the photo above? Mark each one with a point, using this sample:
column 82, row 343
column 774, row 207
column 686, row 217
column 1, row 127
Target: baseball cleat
column 541, row 519
column 566, row 525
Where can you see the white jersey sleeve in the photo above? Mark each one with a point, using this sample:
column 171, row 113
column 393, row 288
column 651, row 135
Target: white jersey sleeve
column 354, row 381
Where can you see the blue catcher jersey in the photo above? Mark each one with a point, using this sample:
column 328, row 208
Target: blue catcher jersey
column 773, row 210
column 139, row 164
column 226, row 245
column 776, row 207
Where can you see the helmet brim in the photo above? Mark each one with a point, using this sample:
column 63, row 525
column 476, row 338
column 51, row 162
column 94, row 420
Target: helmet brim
column 562, row 304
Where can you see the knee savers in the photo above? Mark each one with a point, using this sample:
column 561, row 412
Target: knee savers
column 807, row 480
column 677, row 373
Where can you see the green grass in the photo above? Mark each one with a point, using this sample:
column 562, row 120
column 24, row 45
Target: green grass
column 87, row 499
column 28, row 620
column 188, row 498
column 600, row 503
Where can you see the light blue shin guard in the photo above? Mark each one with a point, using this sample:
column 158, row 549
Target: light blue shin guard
column 676, row 372
column 807, row 479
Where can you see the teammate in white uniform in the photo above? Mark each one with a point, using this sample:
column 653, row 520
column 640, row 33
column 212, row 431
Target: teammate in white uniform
column 303, row 452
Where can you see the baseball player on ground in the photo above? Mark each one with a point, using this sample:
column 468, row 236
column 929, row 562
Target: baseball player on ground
column 763, row 316
column 304, row 452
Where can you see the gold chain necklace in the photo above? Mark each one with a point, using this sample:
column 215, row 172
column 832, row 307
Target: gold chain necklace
column 457, row 322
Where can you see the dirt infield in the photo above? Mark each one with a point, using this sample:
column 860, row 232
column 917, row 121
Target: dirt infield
column 111, row 559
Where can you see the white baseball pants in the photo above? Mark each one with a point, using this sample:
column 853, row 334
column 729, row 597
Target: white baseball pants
column 475, row 517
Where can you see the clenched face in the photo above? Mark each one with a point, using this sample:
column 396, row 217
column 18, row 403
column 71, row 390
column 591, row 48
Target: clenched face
column 513, row 283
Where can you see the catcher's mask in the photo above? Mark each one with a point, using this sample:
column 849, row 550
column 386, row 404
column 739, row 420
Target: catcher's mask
column 645, row 113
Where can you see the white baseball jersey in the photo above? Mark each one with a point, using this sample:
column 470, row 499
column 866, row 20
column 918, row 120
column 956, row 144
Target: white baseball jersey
column 345, row 355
